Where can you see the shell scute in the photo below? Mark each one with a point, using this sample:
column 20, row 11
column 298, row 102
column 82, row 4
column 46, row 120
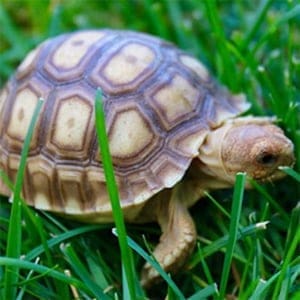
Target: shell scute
column 72, row 121
column 71, row 118
column 29, row 63
column 168, row 169
column 123, row 69
column 41, row 175
column 175, row 101
column 131, row 136
column 70, row 54
column 19, row 112
column 196, row 66
column 99, row 200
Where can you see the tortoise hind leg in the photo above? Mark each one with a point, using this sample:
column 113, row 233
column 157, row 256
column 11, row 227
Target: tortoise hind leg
column 177, row 240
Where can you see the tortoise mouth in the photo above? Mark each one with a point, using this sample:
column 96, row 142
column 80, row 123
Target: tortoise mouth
column 270, row 177
column 269, row 169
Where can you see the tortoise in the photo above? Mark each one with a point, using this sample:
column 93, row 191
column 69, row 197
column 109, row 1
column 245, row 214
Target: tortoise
column 174, row 133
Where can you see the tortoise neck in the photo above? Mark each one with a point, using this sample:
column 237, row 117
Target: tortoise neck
column 206, row 178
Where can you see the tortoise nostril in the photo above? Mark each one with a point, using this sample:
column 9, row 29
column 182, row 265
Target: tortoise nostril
column 267, row 159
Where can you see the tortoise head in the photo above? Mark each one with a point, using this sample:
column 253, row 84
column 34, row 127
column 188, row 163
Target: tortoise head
column 249, row 144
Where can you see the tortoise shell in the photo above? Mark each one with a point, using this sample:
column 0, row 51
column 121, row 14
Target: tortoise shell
column 159, row 103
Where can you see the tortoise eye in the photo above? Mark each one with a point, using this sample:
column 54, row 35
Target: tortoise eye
column 267, row 159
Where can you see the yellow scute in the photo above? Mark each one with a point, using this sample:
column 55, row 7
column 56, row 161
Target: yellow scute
column 129, row 134
column 72, row 51
column 129, row 63
column 22, row 113
column 71, row 123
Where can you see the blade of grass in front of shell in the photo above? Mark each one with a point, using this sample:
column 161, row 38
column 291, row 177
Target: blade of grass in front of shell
column 14, row 241
column 6, row 180
column 112, row 190
column 233, row 230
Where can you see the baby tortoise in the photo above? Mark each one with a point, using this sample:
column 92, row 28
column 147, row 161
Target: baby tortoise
column 173, row 134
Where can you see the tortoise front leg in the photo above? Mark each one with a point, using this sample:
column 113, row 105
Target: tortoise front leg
column 177, row 240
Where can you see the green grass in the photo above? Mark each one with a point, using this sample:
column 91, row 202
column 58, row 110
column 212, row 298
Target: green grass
column 127, row 261
column 14, row 241
column 248, row 246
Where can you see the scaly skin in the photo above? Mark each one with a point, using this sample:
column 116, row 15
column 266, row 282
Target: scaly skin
column 178, row 236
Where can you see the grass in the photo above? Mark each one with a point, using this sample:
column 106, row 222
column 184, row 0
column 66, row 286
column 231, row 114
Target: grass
column 13, row 247
column 248, row 249
column 126, row 255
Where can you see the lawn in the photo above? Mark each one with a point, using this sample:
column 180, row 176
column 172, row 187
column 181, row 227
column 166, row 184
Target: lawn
column 248, row 241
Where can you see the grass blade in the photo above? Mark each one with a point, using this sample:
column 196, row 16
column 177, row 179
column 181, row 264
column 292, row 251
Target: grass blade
column 156, row 17
column 222, row 242
column 259, row 18
column 21, row 264
column 293, row 13
column 14, row 241
column 204, row 266
column 63, row 237
column 6, row 180
column 263, row 286
column 155, row 265
column 208, row 291
column 289, row 171
column 113, row 194
column 225, row 65
column 82, row 272
column 233, row 229
column 293, row 229
column 291, row 250
column 175, row 15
